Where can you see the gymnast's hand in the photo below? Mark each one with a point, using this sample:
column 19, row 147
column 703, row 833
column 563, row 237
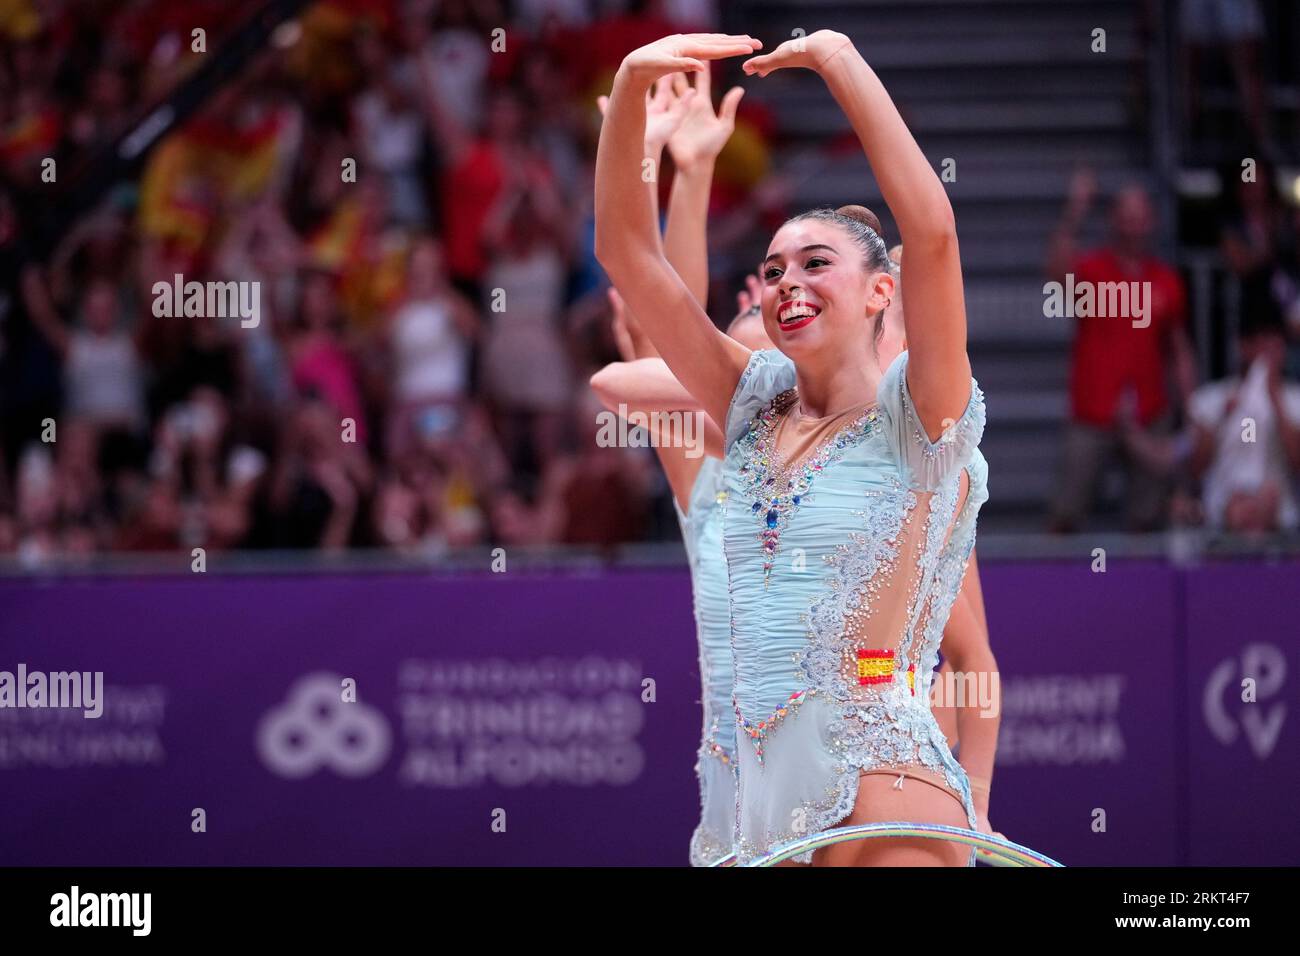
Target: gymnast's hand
column 702, row 133
column 665, row 108
column 810, row 53
column 683, row 52
column 983, row 826
column 749, row 299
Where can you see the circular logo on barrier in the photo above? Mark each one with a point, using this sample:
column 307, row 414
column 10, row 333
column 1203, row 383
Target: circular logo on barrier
column 315, row 728
column 1258, row 675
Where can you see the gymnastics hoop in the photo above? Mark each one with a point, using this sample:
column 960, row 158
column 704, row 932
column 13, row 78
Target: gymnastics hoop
column 990, row 849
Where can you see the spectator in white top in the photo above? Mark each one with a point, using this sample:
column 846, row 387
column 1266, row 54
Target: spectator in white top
column 103, row 376
column 389, row 126
column 429, row 334
column 459, row 46
column 1247, row 440
column 527, row 374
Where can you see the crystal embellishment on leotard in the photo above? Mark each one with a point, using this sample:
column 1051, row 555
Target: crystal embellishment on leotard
column 776, row 492
column 716, row 750
column 758, row 730
column 707, row 848
column 709, row 746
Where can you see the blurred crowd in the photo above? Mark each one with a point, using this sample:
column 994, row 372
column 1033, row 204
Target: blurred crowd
column 409, row 184
column 1221, row 454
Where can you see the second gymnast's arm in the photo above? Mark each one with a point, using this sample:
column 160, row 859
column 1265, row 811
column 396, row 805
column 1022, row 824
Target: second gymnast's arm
column 705, row 360
column 966, row 649
column 642, row 381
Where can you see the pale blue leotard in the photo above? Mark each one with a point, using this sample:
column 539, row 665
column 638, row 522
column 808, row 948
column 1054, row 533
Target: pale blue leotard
column 841, row 574
column 716, row 761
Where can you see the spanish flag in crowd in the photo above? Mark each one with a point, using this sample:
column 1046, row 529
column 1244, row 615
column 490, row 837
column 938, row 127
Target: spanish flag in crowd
column 203, row 166
column 367, row 261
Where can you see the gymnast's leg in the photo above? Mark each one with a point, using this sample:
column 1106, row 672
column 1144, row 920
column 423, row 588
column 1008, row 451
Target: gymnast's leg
column 917, row 801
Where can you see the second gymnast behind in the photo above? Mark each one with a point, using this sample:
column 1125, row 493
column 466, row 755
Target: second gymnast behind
column 873, row 476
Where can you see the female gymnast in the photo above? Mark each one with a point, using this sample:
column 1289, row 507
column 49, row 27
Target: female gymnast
column 643, row 383
column 843, row 485
column 683, row 117
column 697, row 498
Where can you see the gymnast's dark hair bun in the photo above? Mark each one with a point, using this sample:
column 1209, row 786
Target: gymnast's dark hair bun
column 863, row 215
column 862, row 227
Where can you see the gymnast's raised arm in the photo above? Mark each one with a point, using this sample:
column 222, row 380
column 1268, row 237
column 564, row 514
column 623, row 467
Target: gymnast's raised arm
column 938, row 370
column 705, row 360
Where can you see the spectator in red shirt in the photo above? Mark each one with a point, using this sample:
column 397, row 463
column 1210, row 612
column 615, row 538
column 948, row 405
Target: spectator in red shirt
column 1118, row 363
column 475, row 159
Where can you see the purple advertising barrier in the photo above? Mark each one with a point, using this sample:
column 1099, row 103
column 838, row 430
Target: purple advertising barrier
column 1242, row 673
column 1088, row 741
column 499, row 719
